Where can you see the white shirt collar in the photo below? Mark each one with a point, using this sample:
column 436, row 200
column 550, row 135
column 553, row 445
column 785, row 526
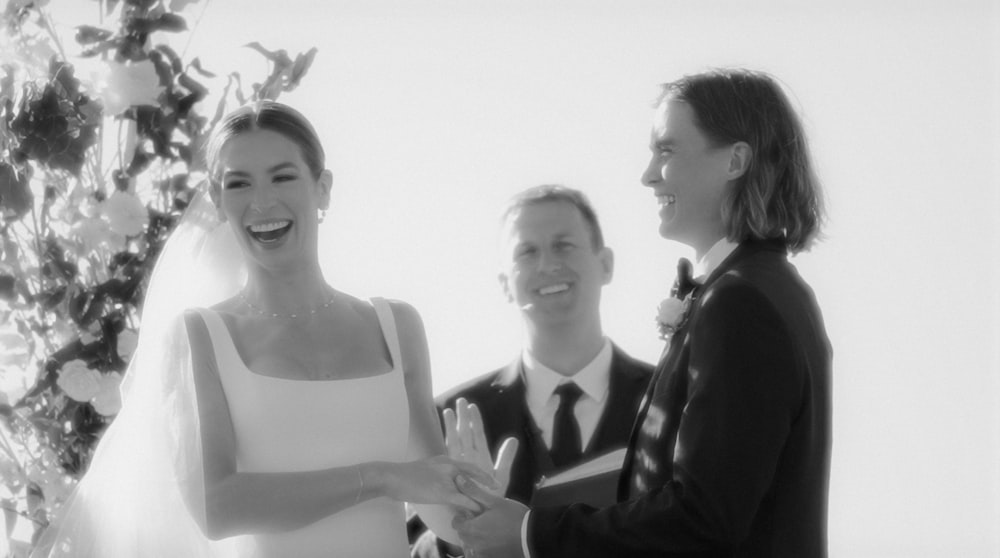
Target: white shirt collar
column 541, row 381
column 713, row 258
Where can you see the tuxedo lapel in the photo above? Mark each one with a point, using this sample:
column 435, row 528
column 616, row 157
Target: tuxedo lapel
column 670, row 376
column 667, row 362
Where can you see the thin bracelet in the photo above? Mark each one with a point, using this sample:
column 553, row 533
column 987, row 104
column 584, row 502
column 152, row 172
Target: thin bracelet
column 361, row 486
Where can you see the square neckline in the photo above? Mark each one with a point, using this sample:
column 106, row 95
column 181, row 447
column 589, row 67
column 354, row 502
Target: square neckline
column 386, row 324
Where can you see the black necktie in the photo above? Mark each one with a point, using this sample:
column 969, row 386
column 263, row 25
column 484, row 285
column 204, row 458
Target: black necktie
column 566, row 444
column 684, row 283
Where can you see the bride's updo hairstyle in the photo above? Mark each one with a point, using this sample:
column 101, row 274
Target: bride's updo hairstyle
column 265, row 115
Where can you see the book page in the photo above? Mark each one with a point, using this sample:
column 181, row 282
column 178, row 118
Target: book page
column 605, row 463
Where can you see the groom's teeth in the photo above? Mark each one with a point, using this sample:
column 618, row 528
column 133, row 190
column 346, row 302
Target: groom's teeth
column 666, row 199
column 552, row 289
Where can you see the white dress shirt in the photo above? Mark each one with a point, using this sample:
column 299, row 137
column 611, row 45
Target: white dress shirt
column 712, row 259
column 540, row 384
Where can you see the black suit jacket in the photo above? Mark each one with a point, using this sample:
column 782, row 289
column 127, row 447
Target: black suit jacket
column 730, row 454
column 500, row 396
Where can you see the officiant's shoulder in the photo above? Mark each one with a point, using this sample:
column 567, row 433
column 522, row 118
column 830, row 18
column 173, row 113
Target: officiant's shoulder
column 481, row 389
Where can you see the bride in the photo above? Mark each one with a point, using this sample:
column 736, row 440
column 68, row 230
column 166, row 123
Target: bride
column 276, row 416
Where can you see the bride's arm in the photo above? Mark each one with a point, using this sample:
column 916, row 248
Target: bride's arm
column 238, row 503
column 425, row 428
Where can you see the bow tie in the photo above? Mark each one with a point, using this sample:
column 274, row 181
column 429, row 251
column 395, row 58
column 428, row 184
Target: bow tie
column 684, row 283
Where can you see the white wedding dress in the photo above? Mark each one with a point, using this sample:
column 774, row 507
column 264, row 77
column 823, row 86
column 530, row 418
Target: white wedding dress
column 310, row 425
column 143, row 494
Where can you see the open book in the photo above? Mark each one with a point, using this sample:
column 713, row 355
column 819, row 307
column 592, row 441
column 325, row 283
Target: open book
column 593, row 482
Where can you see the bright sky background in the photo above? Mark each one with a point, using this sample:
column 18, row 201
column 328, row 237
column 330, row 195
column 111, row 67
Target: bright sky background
column 433, row 113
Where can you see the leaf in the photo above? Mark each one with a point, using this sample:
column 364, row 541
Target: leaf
column 7, row 283
column 164, row 22
column 302, row 64
column 99, row 49
column 88, row 34
column 142, row 4
column 191, row 85
column 52, row 297
column 196, row 64
column 279, row 57
column 15, row 193
column 86, row 307
column 163, row 68
column 131, row 47
column 175, row 61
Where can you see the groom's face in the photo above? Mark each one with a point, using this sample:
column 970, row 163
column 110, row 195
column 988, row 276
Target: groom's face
column 551, row 270
column 688, row 175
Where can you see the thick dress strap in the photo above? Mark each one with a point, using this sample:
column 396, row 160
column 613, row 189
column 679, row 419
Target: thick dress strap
column 218, row 334
column 388, row 324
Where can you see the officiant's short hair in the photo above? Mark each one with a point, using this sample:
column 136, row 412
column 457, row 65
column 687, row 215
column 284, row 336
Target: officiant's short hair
column 549, row 193
column 779, row 195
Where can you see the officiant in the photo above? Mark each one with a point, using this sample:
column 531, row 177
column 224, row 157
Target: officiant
column 571, row 395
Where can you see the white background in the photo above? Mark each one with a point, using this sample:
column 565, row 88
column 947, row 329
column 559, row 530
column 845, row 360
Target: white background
column 433, row 113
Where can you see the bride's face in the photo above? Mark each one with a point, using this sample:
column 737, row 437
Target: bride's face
column 271, row 199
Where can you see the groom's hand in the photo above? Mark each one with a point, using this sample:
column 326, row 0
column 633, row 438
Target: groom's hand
column 494, row 532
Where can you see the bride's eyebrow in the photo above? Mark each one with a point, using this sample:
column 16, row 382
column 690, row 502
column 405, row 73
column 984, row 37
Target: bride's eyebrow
column 282, row 166
column 271, row 170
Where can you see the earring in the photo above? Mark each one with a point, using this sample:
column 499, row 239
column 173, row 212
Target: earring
column 322, row 215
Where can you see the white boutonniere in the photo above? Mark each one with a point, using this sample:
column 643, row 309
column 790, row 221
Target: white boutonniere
column 671, row 315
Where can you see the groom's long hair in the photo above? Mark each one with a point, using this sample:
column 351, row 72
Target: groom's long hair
column 779, row 194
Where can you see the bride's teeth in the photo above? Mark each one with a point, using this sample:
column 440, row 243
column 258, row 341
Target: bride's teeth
column 268, row 227
column 667, row 199
column 553, row 289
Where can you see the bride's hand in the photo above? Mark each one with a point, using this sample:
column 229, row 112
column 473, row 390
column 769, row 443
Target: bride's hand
column 465, row 438
column 433, row 481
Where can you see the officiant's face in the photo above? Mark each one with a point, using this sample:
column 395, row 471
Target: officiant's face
column 270, row 197
column 551, row 270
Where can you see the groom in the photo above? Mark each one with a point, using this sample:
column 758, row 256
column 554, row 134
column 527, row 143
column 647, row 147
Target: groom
column 730, row 454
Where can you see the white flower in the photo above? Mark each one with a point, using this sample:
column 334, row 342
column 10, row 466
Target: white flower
column 91, row 334
column 16, row 376
column 127, row 340
column 125, row 213
column 670, row 315
column 95, row 233
column 62, row 332
column 108, row 400
column 78, row 381
column 120, row 86
column 14, row 348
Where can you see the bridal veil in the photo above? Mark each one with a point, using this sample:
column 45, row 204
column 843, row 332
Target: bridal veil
column 143, row 494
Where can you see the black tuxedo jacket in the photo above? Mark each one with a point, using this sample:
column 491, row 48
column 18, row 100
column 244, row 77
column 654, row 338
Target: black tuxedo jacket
column 730, row 453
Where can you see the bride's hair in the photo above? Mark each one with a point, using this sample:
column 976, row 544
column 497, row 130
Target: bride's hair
column 266, row 115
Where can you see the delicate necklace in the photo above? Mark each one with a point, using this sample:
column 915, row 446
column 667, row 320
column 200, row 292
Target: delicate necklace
column 294, row 315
